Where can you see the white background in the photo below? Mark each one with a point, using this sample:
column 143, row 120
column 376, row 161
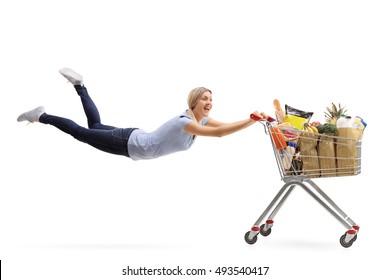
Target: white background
column 69, row 211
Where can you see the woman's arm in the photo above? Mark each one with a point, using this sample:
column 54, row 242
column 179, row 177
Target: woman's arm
column 213, row 123
column 218, row 129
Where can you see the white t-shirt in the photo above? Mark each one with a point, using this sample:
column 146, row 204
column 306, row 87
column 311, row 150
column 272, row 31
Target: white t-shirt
column 168, row 138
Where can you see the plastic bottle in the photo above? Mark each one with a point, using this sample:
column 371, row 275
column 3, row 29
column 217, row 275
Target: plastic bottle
column 362, row 121
column 341, row 121
column 277, row 134
column 357, row 123
column 348, row 121
column 288, row 155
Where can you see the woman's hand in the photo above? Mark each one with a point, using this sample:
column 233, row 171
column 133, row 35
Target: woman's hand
column 256, row 116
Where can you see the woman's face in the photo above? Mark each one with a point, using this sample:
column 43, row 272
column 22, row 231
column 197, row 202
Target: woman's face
column 203, row 106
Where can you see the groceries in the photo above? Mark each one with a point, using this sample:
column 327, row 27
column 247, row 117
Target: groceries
column 276, row 134
column 348, row 150
column 279, row 113
column 316, row 149
column 327, row 128
column 359, row 123
column 326, row 148
column 297, row 117
column 308, row 149
column 359, row 120
column 341, row 121
column 333, row 113
column 288, row 156
column 348, row 121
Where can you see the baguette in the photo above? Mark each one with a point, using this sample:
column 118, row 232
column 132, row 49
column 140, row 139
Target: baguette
column 277, row 106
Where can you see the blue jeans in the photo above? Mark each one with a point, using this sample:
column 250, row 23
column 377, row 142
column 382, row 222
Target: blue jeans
column 103, row 137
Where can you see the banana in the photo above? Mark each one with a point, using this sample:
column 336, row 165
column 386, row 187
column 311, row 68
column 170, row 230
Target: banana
column 315, row 130
column 306, row 127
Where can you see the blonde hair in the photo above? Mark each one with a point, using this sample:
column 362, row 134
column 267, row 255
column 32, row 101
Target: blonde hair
column 195, row 95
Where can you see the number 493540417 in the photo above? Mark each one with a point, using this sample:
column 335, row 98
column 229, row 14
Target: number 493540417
column 235, row 270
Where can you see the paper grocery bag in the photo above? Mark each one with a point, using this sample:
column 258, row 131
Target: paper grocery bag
column 308, row 150
column 348, row 151
column 327, row 156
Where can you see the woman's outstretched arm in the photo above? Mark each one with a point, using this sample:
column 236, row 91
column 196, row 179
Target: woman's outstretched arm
column 219, row 129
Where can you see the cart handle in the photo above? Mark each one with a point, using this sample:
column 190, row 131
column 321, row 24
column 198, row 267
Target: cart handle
column 264, row 122
column 255, row 118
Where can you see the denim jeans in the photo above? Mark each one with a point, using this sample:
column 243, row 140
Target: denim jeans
column 103, row 137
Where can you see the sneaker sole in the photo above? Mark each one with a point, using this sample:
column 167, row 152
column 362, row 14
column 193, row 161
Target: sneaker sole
column 71, row 75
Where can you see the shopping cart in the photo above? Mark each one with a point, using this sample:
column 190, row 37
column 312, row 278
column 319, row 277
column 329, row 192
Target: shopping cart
column 316, row 156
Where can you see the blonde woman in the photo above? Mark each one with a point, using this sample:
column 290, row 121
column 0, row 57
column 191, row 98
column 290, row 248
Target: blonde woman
column 177, row 134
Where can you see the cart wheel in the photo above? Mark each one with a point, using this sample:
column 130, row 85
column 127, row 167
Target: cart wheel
column 346, row 244
column 264, row 232
column 250, row 241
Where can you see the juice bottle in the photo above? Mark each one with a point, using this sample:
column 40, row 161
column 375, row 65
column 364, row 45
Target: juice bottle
column 277, row 134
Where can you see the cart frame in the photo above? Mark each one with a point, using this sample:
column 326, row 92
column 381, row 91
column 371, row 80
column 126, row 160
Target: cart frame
column 306, row 182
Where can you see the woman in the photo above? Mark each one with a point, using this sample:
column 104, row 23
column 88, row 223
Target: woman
column 177, row 134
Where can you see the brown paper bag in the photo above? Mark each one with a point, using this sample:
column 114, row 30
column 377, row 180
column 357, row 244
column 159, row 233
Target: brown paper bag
column 308, row 150
column 348, row 151
column 327, row 156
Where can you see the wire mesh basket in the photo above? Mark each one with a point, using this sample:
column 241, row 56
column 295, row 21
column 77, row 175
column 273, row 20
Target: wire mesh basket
column 316, row 155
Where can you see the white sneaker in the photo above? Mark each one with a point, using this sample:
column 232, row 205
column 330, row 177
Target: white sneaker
column 33, row 115
column 73, row 77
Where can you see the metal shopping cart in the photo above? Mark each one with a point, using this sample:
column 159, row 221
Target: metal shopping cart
column 317, row 156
